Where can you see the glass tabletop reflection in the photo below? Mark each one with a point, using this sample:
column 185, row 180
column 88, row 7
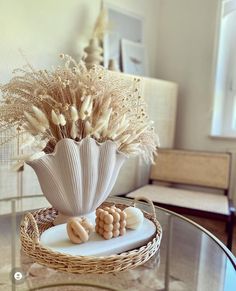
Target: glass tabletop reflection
column 190, row 258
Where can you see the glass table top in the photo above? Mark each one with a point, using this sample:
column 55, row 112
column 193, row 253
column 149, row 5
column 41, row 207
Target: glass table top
column 190, row 258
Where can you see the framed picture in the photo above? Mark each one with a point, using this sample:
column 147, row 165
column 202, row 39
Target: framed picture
column 122, row 24
column 133, row 58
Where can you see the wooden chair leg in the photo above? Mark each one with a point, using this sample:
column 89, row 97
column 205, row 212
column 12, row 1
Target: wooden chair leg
column 230, row 229
column 226, row 226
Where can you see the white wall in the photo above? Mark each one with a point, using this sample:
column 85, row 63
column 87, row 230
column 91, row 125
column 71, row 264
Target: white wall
column 185, row 54
column 45, row 28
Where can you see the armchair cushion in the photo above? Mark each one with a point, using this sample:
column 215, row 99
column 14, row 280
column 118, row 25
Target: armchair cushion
column 184, row 198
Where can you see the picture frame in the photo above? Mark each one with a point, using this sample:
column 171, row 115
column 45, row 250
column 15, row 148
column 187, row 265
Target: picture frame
column 122, row 24
column 133, row 58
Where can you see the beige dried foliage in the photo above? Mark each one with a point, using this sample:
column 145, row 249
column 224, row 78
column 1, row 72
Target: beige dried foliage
column 74, row 102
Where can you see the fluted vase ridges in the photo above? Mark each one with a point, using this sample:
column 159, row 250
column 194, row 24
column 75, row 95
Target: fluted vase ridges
column 78, row 176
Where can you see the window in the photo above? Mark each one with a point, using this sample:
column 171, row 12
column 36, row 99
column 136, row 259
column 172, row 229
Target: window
column 224, row 116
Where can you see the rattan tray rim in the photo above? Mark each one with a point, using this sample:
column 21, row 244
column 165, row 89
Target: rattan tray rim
column 30, row 240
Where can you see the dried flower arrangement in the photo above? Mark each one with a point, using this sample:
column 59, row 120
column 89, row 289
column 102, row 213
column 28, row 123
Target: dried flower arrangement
column 74, row 102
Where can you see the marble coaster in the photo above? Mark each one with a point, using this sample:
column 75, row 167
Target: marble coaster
column 57, row 240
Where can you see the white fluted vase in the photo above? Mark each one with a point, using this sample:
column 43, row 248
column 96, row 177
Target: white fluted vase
column 78, row 176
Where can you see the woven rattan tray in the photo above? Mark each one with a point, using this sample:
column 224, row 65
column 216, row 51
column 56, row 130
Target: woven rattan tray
column 35, row 223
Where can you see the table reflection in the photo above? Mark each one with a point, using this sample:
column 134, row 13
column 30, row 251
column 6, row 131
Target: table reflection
column 188, row 259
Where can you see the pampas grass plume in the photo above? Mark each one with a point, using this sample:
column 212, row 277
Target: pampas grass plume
column 55, row 118
column 84, row 107
column 73, row 131
column 34, row 122
column 74, row 113
column 62, row 119
column 41, row 116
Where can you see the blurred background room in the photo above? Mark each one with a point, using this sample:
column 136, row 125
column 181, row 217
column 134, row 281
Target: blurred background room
column 184, row 51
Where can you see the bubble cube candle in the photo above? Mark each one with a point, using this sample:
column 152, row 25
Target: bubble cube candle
column 110, row 222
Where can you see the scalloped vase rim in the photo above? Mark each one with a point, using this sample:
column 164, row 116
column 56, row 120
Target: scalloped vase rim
column 86, row 179
column 79, row 143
